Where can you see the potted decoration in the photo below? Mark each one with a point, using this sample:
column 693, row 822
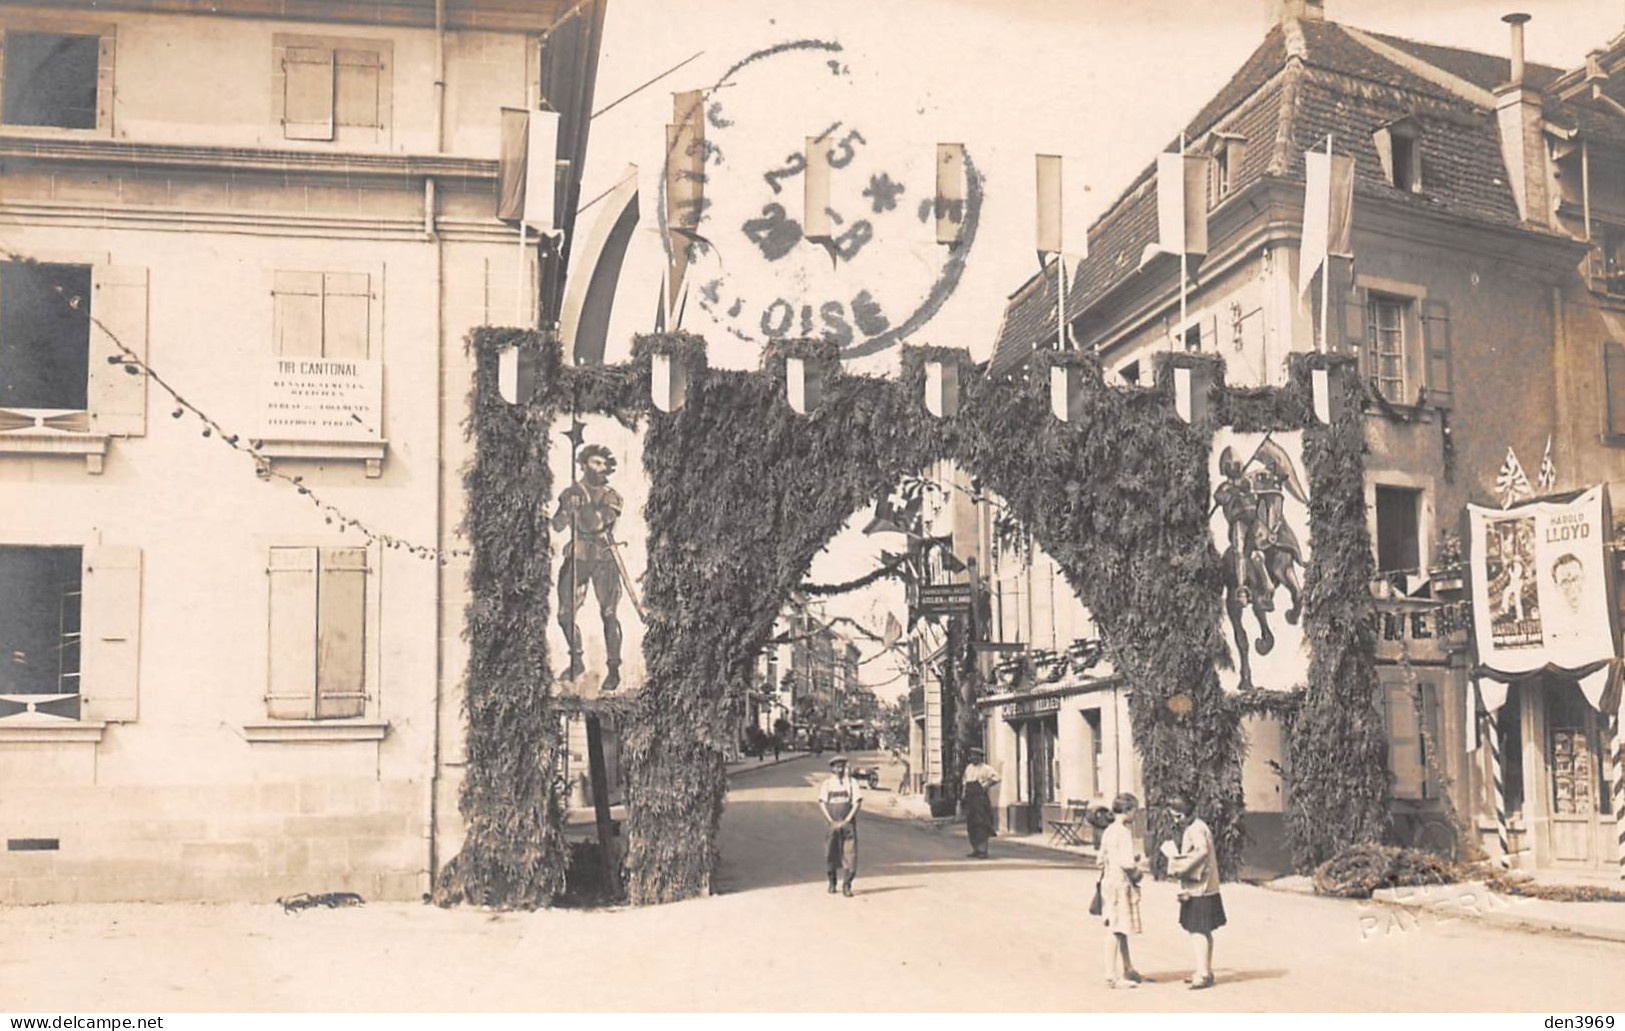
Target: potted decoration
column 1447, row 572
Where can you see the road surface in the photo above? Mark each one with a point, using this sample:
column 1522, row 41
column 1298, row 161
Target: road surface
column 929, row 929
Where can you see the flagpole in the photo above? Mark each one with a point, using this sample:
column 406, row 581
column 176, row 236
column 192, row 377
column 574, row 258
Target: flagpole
column 519, row 278
column 1060, row 312
column 1184, row 244
column 1326, row 261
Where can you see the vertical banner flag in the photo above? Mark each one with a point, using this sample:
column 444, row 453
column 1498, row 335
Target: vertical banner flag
column 1062, row 228
column 1540, row 584
column 527, row 170
column 1328, row 212
column 1182, row 203
column 952, row 190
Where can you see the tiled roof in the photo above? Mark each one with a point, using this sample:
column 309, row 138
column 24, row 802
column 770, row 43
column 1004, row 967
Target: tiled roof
column 1344, row 88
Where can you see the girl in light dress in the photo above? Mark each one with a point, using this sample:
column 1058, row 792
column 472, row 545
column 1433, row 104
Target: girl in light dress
column 1121, row 868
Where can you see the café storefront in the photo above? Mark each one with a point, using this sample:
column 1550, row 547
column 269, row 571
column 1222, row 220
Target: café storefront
column 1056, row 748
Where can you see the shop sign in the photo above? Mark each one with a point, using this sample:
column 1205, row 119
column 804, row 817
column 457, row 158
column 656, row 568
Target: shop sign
column 1032, row 707
column 1421, row 631
column 321, row 399
column 944, row 599
column 1540, row 584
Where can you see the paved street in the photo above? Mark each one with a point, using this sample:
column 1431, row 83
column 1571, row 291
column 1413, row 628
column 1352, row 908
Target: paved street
column 928, row 929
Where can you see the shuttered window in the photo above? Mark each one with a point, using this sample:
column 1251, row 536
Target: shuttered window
column 332, row 88
column 322, row 314
column 1412, row 713
column 318, row 617
column 1613, row 368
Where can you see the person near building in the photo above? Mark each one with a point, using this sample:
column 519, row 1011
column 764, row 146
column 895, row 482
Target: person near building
column 978, row 803
column 1196, row 863
column 1121, row 866
column 839, row 799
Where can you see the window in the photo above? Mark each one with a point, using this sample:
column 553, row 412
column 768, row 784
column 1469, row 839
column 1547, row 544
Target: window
column 1398, row 530
column 1227, row 150
column 44, row 336
column 1399, row 148
column 318, row 614
column 69, row 633
column 322, row 314
column 332, row 88
column 1130, row 372
column 1385, row 321
column 39, row 631
column 1607, row 264
column 1412, row 716
column 1613, row 375
column 55, row 79
column 65, row 331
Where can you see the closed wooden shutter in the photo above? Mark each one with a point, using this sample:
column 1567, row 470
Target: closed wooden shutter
column 1354, row 334
column 1432, row 743
column 110, row 628
column 356, row 94
column 346, row 307
column 1437, row 353
column 1613, row 368
column 291, row 690
column 307, row 112
column 117, row 397
column 341, row 615
column 1404, row 740
column 104, row 82
column 297, row 313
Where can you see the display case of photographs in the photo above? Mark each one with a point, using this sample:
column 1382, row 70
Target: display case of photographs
column 1572, row 776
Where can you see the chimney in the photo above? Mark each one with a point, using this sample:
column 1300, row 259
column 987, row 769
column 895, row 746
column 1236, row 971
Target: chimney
column 1523, row 135
column 1278, row 12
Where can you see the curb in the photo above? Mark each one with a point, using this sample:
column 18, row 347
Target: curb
column 1469, row 900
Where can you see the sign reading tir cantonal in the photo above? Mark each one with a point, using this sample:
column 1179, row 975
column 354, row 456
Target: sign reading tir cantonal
column 322, row 399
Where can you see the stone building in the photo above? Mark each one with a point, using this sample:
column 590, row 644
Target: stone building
column 214, row 684
column 1483, row 300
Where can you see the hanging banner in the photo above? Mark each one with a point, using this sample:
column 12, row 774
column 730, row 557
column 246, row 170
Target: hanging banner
column 600, row 547
column 1260, row 525
column 1540, row 584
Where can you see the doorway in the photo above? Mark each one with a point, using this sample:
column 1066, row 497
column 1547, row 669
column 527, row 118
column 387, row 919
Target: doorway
column 1575, row 791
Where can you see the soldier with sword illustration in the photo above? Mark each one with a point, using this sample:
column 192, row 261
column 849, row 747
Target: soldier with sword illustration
column 590, row 508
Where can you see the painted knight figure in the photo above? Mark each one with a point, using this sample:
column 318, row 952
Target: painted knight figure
column 1260, row 524
column 599, row 549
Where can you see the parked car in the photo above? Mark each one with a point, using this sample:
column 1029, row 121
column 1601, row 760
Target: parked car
column 869, row 775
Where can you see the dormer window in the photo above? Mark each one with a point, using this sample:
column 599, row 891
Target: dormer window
column 1227, row 150
column 1399, row 146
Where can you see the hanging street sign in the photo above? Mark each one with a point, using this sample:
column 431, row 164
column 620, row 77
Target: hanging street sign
column 944, row 599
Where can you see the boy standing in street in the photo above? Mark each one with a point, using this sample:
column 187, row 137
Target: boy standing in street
column 839, row 800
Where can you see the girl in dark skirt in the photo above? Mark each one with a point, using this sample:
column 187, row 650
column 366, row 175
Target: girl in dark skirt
column 1201, row 910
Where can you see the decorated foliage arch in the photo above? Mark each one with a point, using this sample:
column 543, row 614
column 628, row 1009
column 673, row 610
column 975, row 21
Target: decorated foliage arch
column 744, row 492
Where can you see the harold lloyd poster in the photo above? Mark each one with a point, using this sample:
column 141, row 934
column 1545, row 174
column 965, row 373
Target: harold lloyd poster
column 599, row 552
column 1540, row 584
column 1260, row 524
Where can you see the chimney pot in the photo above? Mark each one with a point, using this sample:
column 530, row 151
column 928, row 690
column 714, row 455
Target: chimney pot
column 1516, row 21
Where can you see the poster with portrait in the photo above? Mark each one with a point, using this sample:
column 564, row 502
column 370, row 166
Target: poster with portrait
column 595, row 637
column 1540, row 584
column 1259, row 517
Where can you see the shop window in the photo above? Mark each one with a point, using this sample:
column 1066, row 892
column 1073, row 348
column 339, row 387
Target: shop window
column 1509, row 727
column 332, row 88
column 51, row 79
column 44, row 336
column 321, row 314
column 318, row 615
column 1575, row 749
column 1399, row 540
column 39, row 631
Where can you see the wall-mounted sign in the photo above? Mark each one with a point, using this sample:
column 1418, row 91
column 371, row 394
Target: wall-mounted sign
column 1540, row 584
column 944, row 599
column 322, row 399
column 1031, row 707
column 1421, row 631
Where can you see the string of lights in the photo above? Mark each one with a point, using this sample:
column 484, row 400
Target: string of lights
column 212, row 428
